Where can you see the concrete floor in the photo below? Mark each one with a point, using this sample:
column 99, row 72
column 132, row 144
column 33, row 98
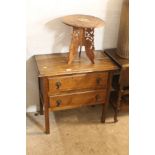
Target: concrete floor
column 78, row 132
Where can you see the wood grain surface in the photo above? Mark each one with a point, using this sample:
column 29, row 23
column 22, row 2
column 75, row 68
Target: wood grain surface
column 85, row 21
column 56, row 64
column 63, row 86
column 77, row 99
column 78, row 82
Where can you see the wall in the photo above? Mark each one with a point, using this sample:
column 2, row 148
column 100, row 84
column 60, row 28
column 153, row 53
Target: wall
column 46, row 33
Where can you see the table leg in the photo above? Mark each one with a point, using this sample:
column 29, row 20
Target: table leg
column 82, row 37
column 89, row 43
column 75, row 42
column 117, row 109
column 80, row 51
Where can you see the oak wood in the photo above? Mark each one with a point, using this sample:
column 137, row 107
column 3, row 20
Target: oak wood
column 123, row 81
column 79, row 81
column 89, row 44
column 105, row 106
column 78, row 99
column 40, row 98
column 46, row 104
column 82, row 37
column 56, row 64
column 83, row 34
column 65, row 86
column 71, row 107
column 123, row 85
column 83, row 21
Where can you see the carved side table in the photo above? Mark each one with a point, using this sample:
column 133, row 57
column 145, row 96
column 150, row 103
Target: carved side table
column 83, row 34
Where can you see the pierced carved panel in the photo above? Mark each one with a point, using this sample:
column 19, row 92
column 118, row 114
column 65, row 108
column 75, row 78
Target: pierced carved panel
column 89, row 37
column 89, row 43
column 82, row 37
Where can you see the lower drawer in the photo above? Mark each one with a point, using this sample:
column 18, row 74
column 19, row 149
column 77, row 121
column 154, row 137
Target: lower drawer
column 72, row 100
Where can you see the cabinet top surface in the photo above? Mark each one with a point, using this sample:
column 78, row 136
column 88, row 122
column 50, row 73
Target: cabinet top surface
column 56, row 64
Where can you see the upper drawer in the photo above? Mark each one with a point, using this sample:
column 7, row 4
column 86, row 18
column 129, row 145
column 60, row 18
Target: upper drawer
column 79, row 81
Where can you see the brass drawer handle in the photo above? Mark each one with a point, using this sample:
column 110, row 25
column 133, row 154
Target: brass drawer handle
column 98, row 81
column 58, row 84
column 58, row 102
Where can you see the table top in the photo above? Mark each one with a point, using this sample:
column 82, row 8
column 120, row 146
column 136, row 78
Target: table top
column 56, row 64
column 122, row 62
column 83, row 21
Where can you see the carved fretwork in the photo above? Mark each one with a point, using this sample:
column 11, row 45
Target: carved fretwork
column 82, row 37
column 89, row 43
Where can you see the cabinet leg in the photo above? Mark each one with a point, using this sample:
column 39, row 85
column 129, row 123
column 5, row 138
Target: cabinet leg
column 40, row 100
column 46, row 104
column 115, row 116
column 117, row 108
column 47, row 127
column 103, row 114
column 41, row 107
column 114, row 106
column 105, row 106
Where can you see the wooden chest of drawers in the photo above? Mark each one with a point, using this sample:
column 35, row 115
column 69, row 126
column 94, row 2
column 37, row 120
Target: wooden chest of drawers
column 63, row 86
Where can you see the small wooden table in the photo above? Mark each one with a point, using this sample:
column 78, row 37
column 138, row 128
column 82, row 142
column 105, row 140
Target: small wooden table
column 83, row 34
column 123, row 81
column 63, row 86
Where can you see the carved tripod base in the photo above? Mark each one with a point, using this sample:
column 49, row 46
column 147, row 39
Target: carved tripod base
column 82, row 37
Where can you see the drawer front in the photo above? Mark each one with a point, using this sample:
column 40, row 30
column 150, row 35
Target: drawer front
column 77, row 82
column 77, row 99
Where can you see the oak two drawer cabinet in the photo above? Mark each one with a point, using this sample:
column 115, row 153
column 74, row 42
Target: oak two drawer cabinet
column 63, row 86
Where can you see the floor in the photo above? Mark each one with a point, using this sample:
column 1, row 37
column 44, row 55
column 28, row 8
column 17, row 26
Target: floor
column 78, row 132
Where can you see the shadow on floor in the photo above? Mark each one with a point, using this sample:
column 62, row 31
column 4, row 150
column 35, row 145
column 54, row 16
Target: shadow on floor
column 86, row 115
column 36, row 122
